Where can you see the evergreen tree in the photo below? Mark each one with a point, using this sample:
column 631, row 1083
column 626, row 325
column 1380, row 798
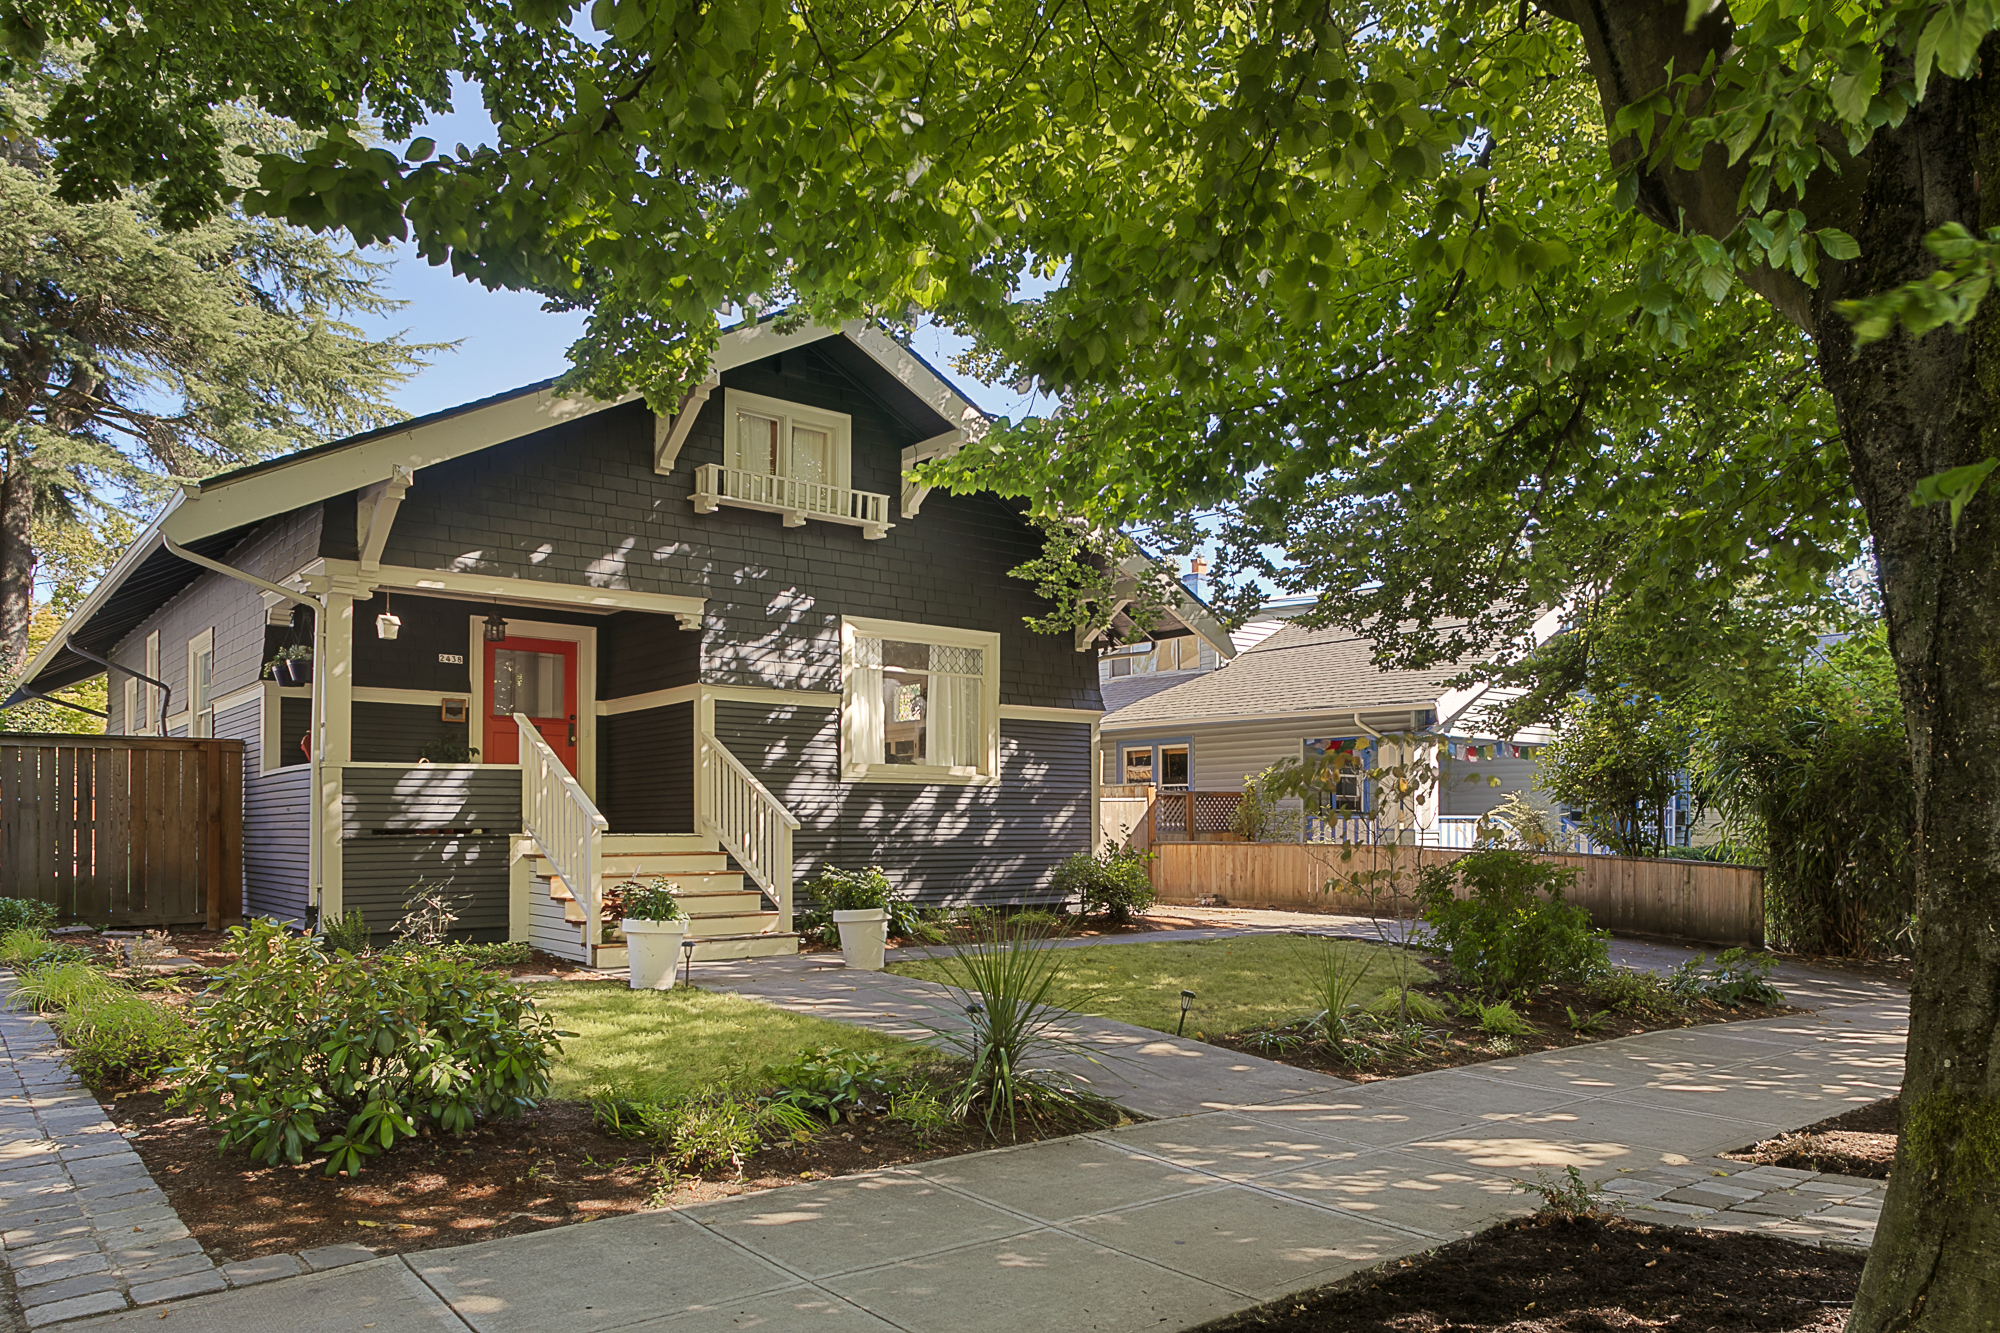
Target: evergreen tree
column 133, row 356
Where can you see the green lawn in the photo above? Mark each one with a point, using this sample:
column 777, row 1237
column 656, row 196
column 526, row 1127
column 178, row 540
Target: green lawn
column 648, row 1045
column 1240, row 983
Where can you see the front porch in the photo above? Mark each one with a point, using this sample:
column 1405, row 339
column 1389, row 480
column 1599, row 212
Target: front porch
column 532, row 757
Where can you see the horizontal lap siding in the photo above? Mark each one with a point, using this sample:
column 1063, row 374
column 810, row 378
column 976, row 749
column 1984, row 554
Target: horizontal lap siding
column 403, row 800
column 398, row 733
column 645, row 770
column 938, row 844
column 384, row 853
column 245, row 723
column 378, row 875
column 277, row 847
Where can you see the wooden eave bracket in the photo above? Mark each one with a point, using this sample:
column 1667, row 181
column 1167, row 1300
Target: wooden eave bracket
column 938, row 446
column 1123, row 593
column 376, row 514
column 670, row 433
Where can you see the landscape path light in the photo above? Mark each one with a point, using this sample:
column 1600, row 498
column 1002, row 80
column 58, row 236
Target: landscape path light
column 1187, row 1002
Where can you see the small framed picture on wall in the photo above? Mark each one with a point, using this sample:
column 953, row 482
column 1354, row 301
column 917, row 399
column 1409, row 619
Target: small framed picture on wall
column 453, row 710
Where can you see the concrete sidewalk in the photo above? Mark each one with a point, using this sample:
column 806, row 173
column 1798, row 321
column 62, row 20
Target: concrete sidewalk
column 1156, row 1226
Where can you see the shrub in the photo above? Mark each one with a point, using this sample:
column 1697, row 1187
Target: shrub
column 115, row 1034
column 1738, row 977
column 699, row 1133
column 1641, row 993
column 348, row 931
column 29, row 946
column 909, row 921
column 428, row 916
column 831, row 1080
column 1514, row 934
column 1420, row 1007
column 1499, row 1019
column 59, row 986
column 501, row 953
column 656, row 901
column 25, row 914
column 1334, row 974
column 119, row 1036
column 1114, row 884
column 838, row 890
column 301, row 1052
column 1006, row 982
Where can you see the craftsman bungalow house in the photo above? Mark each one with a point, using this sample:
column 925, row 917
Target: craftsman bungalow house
column 550, row 644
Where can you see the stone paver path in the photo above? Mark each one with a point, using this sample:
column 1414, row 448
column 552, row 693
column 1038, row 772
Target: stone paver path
column 1156, row 1226
column 1715, row 1194
column 83, row 1228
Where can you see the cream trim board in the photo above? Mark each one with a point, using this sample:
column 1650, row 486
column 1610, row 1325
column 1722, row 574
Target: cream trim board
column 585, row 637
column 1036, row 713
column 639, row 703
column 758, row 694
column 670, row 432
column 859, row 719
column 129, row 702
column 1331, row 717
column 197, row 645
column 788, row 414
column 399, row 578
column 151, row 712
column 248, row 694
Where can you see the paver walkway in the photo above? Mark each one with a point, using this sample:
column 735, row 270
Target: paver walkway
column 1154, row 1226
column 83, row 1228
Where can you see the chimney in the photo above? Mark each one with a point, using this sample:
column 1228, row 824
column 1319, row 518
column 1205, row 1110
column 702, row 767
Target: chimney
column 1192, row 579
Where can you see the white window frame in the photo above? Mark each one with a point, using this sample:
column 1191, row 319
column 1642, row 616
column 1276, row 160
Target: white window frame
column 860, row 734
column 150, row 718
column 736, row 404
column 201, row 711
column 130, row 701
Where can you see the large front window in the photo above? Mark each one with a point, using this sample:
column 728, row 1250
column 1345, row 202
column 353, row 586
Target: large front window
column 921, row 703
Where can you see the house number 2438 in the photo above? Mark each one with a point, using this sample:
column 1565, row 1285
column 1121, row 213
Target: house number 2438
column 451, row 659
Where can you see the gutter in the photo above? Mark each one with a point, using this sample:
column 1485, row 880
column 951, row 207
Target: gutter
column 61, row 703
column 166, row 690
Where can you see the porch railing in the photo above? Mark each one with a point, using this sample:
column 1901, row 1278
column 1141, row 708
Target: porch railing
column 715, row 486
column 740, row 813
column 563, row 821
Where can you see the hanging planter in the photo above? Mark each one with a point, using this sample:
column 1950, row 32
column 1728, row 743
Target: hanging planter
column 293, row 666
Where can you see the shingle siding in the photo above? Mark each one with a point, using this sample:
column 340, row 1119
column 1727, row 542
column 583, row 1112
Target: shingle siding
column 939, row 844
column 580, row 503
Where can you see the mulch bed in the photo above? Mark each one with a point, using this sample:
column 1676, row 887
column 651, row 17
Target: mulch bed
column 1541, row 1275
column 1861, row 1142
column 551, row 1167
column 1461, row 1041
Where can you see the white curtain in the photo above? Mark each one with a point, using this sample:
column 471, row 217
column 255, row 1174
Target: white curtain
column 861, row 722
column 955, row 732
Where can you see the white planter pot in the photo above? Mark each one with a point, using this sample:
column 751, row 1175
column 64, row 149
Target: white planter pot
column 653, row 952
column 863, row 936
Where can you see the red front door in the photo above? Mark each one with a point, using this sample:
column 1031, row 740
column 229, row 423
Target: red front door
column 536, row 677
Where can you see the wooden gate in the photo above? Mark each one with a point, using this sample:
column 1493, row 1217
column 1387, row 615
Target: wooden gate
column 123, row 830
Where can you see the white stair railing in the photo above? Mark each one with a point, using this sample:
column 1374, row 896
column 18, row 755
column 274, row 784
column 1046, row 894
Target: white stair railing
column 750, row 823
column 563, row 821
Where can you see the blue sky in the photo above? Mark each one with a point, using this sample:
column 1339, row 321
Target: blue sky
column 505, row 339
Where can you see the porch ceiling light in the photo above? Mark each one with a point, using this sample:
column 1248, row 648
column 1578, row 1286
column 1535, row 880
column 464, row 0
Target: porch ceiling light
column 496, row 628
column 388, row 625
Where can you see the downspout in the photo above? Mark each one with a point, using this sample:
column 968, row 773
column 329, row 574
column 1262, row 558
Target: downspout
column 166, row 690
column 61, row 703
column 319, row 681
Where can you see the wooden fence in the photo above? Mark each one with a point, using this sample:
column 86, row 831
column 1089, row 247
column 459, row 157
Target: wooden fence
column 1685, row 900
column 123, row 830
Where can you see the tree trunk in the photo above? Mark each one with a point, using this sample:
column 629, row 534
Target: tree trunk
column 17, row 559
column 1908, row 409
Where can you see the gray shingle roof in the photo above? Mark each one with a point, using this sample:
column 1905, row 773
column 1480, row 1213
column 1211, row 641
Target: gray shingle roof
column 1296, row 670
column 1122, row 691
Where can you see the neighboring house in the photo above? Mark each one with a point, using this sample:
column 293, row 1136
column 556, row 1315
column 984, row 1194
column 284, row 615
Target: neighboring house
column 1296, row 692
column 556, row 643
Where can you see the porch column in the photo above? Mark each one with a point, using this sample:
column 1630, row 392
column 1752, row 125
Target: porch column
column 333, row 723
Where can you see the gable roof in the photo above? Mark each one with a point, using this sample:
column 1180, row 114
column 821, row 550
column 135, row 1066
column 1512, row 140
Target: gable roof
column 212, row 516
column 1295, row 670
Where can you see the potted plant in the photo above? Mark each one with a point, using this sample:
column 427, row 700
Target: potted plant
column 654, row 926
column 859, row 901
column 293, row 665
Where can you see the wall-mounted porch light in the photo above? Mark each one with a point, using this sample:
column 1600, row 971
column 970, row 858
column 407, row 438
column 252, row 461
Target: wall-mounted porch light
column 496, row 628
column 388, row 625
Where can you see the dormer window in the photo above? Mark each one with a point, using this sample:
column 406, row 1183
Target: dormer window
column 789, row 459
